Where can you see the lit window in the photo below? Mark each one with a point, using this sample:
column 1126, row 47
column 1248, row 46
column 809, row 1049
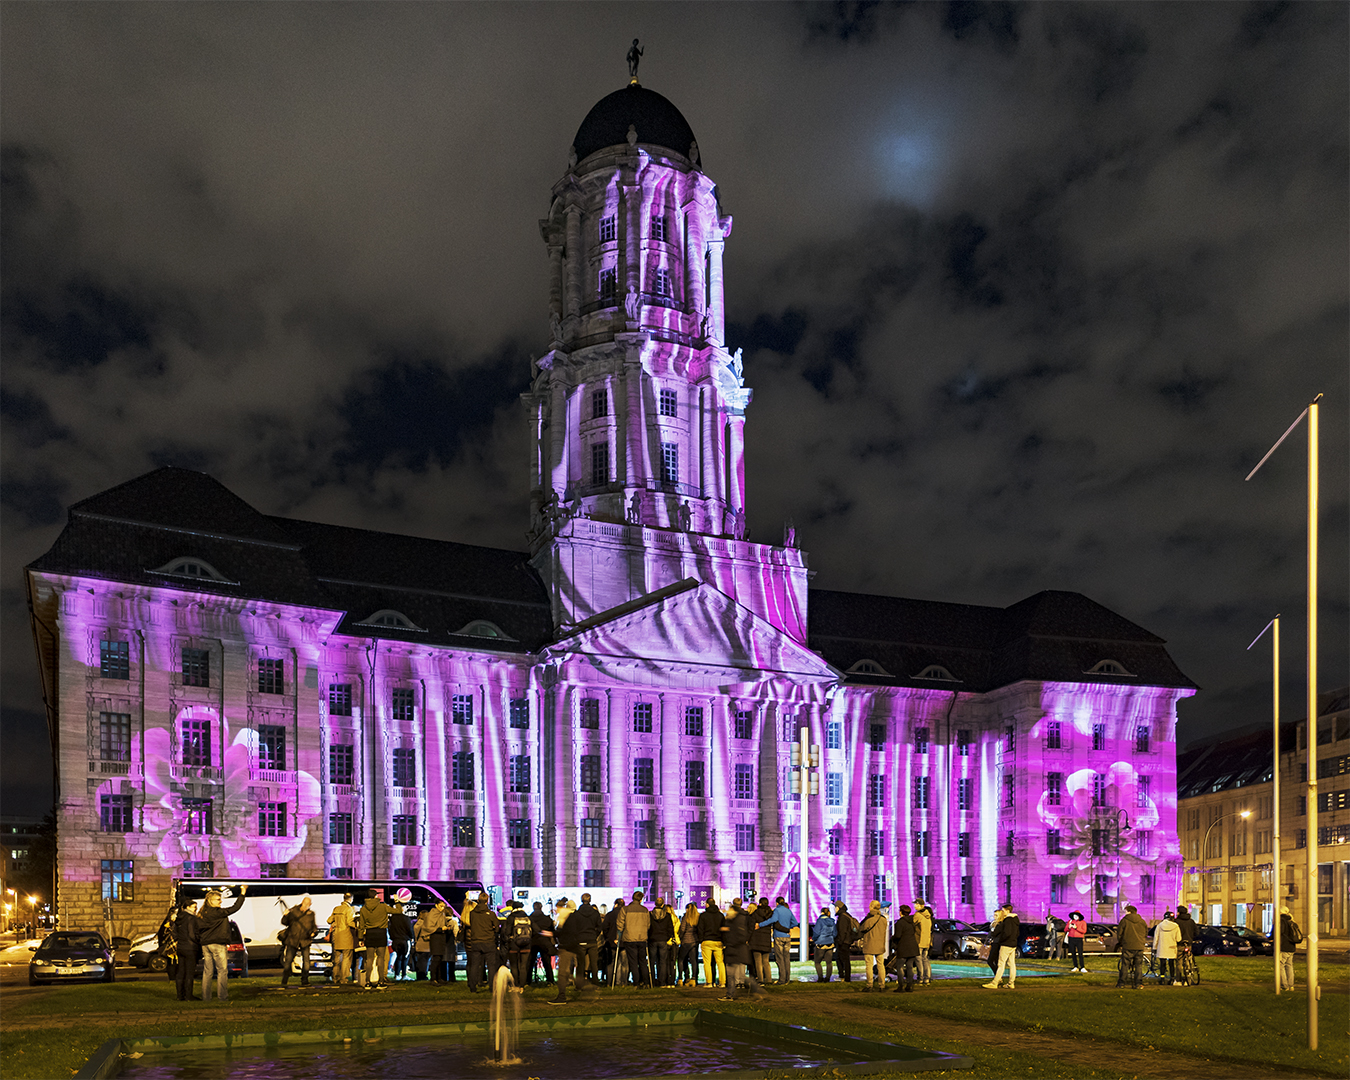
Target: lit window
column 339, row 828
column 114, row 813
column 600, row 463
column 461, row 708
column 117, row 880
column 748, row 884
column 196, row 667
column 520, row 774
column 272, row 819
column 403, row 830
column 114, row 660
column 670, row 463
column 669, row 403
column 745, row 838
column 518, row 833
column 590, row 835
column 834, row 735
column 114, row 736
column 271, row 676
column 834, row 789
column 341, row 763
column 693, row 779
column 339, row 699
column 401, row 704
column 405, row 767
column 744, row 781
column 462, row 832
column 520, row 713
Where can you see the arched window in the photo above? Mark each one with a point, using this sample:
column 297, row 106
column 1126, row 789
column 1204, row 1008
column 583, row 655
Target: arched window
column 189, row 566
column 391, row 618
column 484, row 629
column 1109, row 667
column 868, row 667
column 937, row 673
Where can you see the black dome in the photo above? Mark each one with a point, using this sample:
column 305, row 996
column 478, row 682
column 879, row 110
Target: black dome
column 657, row 121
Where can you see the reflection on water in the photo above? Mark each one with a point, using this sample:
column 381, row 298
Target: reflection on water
column 575, row 1055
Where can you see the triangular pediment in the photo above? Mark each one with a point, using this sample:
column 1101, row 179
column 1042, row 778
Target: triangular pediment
column 692, row 624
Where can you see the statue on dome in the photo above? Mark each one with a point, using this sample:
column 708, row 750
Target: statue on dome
column 635, row 508
column 634, row 58
column 738, row 366
column 631, row 305
column 686, row 517
column 555, row 328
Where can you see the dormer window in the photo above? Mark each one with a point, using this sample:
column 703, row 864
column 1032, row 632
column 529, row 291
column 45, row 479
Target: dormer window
column 868, row 667
column 483, row 628
column 191, row 567
column 937, row 673
column 395, row 620
column 1109, row 667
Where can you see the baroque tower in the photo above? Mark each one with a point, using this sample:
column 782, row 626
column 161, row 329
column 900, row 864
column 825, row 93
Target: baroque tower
column 637, row 411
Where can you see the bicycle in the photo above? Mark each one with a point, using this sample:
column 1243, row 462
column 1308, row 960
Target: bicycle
column 1187, row 971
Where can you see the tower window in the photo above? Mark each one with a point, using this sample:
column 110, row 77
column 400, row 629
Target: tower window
column 670, row 403
column 670, row 463
column 659, row 227
column 114, row 736
column 608, row 229
column 271, row 676
column 196, row 667
column 662, row 284
column 609, row 283
column 590, row 713
column 520, row 712
column 599, row 404
column 401, row 703
column 600, row 463
column 271, row 746
column 340, row 699
column 341, row 763
column 405, row 767
column 114, row 660
column 743, row 724
column 642, row 717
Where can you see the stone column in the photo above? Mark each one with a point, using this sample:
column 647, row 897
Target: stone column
column 558, row 422
column 695, row 290
column 555, row 279
column 716, row 305
column 575, row 269
column 633, row 435
column 736, row 457
column 632, row 275
column 707, row 418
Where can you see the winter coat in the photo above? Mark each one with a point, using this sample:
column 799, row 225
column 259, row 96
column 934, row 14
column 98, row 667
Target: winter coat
column 428, row 923
column 1290, row 934
column 374, row 915
column 1076, row 928
column 544, row 932
column 923, row 926
column 589, row 925
column 822, row 931
column 845, row 928
column 710, row 925
column 1132, row 933
column 871, row 939
column 400, row 927
column 610, row 926
column 662, row 928
column 1187, row 925
column 1008, row 933
column 519, row 930
column 736, row 948
column 482, row 932
column 782, row 920
column 689, row 930
column 300, row 927
column 1166, row 938
column 634, row 922
column 761, row 937
column 187, row 928
column 215, row 922
column 905, row 937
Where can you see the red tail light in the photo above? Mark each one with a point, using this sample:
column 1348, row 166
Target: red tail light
column 234, row 948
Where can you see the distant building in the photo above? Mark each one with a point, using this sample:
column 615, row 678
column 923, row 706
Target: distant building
column 1229, row 874
column 233, row 694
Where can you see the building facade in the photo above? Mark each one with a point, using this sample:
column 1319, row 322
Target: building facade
column 234, row 694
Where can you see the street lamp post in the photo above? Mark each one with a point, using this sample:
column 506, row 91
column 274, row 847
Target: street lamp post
column 1274, row 627
column 1204, row 846
column 32, row 915
column 805, row 782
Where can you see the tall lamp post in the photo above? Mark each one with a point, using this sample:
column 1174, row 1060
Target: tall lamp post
column 1274, row 627
column 1204, row 846
column 32, row 915
column 1118, row 821
column 1310, row 886
column 805, row 781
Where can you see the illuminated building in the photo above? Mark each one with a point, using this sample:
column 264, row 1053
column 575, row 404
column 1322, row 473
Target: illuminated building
column 243, row 695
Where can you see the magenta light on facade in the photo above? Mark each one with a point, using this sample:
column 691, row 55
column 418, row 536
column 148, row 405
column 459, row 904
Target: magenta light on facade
column 242, row 696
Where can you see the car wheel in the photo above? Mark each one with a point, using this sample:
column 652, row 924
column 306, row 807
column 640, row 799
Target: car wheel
column 157, row 963
column 949, row 951
column 32, row 979
column 1210, row 950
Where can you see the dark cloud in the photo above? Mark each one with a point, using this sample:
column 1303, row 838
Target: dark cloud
column 1023, row 290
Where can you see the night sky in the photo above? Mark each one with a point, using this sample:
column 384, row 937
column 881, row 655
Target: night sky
column 1024, row 292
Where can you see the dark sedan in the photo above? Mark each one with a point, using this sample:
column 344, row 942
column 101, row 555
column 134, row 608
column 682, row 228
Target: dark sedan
column 71, row 954
column 1220, row 941
column 953, row 938
column 1260, row 943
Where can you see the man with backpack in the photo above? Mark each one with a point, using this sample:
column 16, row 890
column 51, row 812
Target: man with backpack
column 519, row 937
column 1290, row 937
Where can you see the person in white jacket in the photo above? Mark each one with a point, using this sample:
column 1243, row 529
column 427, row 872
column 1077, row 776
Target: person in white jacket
column 1166, row 938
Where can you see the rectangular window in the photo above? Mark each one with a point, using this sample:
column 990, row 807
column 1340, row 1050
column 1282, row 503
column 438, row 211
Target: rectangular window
column 1143, row 739
column 199, row 869
column 114, row 813
column 1008, row 848
column 114, row 659
column 403, row 830
column 272, row 819
column 789, row 729
column 271, row 676
column 967, row 889
column 341, row 763
column 197, row 817
column 520, row 774
column 880, row 891
column 659, row 227
column 590, row 773
column 273, row 869
column 964, row 793
column 744, row 781
column 608, row 229
column 519, row 709
column 196, row 667
column 590, row 835
column 876, row 736
column 923, row 885
column 921, row 740
column 920, row 844
column 643, row 779
column 836, row 841
column 590, row 714
column 1054, row 788
column 461, row 709
column 693, row 721
column 593, row 879
column 670, row 463
column 114, row 736
column 669, row 403
column 405, row 767
column 518, row 833
column 1052, row 842
column 696, row 836
column 1009, row 790
column 921, row 793
column 1007, row 888
column 644, row 834
column 834, row 789
column 963, row 742
column 463, row 833
column 117, row 880
column 1099, row 841
column 662, row 283
column 1010, row 740
column 1099, row 736
column 609, row 283
column 1144, row 840
column 792, row 838
column 401, row 703
column 339, row 699
column 1054, row 736
column 745, row 838
column 341, row 873
column 461, row 770
column 1147, row 891
column 600, row 462
column 749, row 886
column 963, row 845
column 743, row 724
column 599, row 404
column 466, row 873
column 1059, row 886
column 642, row 717
column 271, row 746
column 407, row 873
column 834, row 734
column 876, row 789
column 196, row 742
column 1098, row 790
column 340, row 828
column 693, row 779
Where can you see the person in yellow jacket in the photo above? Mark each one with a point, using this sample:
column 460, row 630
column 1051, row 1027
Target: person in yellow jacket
column 342, row 936
column 923, row 924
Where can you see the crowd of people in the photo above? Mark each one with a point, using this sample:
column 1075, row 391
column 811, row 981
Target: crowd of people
column 735, row 949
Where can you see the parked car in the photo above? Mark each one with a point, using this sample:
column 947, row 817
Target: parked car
column 1262, row 944
column 1101, row 938
column 236, row 956
column 71, row 954
column 143, row 949
column 1220, row 941
column 953, row 938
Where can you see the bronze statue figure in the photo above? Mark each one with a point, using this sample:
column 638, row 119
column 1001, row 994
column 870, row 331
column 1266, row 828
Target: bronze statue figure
column 634, row 56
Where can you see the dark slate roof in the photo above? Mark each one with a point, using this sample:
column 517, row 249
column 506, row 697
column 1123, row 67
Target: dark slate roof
column 1225, row 763
column 125, row 533
column 656, row 120
column 1051, row 635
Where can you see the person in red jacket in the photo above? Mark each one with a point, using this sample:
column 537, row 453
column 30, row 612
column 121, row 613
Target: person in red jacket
column 1075, row 930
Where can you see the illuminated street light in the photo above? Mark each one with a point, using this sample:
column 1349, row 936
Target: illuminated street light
column 1274, row 627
